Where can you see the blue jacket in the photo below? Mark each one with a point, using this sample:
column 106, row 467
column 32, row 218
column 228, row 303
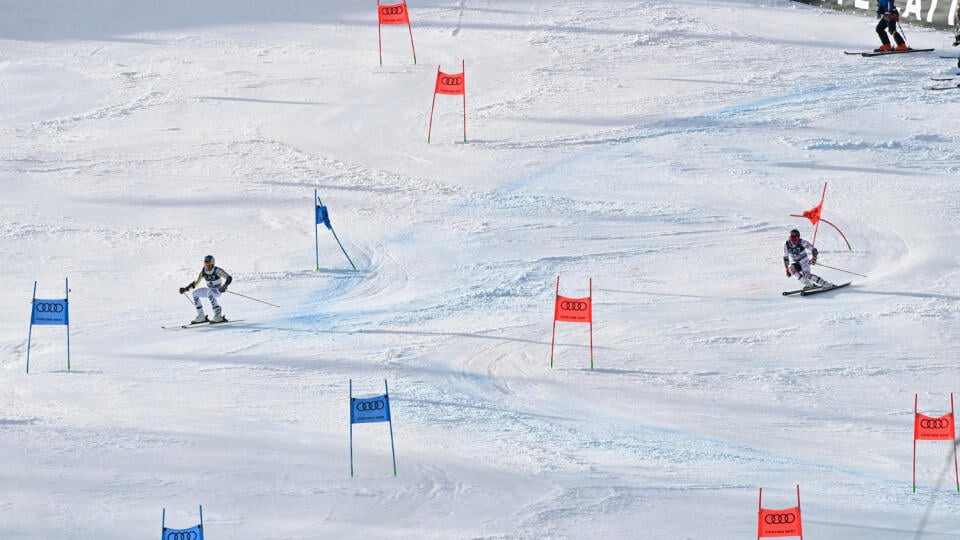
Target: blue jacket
column 885, row 6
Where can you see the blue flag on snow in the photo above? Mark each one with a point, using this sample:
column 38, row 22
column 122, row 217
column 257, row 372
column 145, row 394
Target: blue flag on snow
column 193, row 533
column 53, row 312
column 49, row 312
column 369, row 410
column 323, row 217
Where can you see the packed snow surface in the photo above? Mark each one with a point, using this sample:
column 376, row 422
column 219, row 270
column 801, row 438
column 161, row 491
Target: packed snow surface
column 658, row 148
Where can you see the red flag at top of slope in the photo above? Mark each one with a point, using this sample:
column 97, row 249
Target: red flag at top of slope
column 389, row 14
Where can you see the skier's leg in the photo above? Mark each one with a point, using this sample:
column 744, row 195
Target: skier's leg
column 805, row 274
column 201, row 316
column 896, row 35
column 801, row 275
column 213, row 295
column 812, row 278
column 882, row 32
column 196, row 299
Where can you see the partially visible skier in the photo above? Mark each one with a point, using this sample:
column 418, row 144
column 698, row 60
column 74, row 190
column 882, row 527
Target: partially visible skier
column 889, row 15
column 796, row 263
column 217, row 281
column 956, row 32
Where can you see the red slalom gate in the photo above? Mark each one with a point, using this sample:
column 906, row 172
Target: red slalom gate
column 930, row 428
column 389, row 14
column 815, row 217
column 575, row 310
column 450, row 84
column 774, row 523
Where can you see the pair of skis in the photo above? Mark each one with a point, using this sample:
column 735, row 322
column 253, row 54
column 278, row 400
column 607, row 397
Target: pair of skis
column 904, row 51
column 197, row 325
column 955, row 86
column 944, row 79
column 807, row 291
column 895, row 51
column 886, row 53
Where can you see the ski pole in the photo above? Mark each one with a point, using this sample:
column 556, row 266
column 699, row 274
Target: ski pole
column 839, row 269
column 902, row 33
column 188, row 298
column 254, row 299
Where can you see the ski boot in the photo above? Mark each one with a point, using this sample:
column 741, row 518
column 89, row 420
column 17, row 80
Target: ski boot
column 820, row 282
column 217, row 316
column 200, row 318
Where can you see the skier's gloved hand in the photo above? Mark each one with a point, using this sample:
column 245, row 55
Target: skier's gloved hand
column 788, row 271
column 183, row 290
column 223, row 288
column 813, row 260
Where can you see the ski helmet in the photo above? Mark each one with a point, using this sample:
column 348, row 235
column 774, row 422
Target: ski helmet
column 211, row 260
column 793, row 234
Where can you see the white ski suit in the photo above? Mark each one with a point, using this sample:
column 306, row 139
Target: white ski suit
column 217, row 280
column 797, row 264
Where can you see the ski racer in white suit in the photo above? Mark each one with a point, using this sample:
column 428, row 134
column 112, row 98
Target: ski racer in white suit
column 796, row 263
column 217, row 280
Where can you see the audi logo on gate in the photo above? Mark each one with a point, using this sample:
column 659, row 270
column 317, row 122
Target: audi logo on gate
column 573, row 306
column 455, row 81
column 391, row 10
column 189, row 535
column 370, row 405
column 779, row 519
column 46, row 307
column 934, row 423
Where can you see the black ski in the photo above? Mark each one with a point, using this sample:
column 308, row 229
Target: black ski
column 885, row 53
column 197, row 325
column 798, row 291
column 954, row 87
column 819, row 290
column 942, row 78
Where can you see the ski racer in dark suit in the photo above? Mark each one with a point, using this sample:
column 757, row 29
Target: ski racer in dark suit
column 889, row 16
